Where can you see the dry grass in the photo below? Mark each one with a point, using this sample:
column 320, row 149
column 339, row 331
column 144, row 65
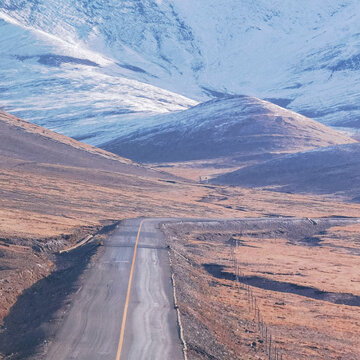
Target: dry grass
column 304, row 327
column 39, row 200
column 48, row 201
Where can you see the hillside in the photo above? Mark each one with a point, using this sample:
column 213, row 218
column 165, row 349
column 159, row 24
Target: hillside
column 54, row 183
column 25, row 142
column 329, row 170
column 235, row 127
column 56, row 191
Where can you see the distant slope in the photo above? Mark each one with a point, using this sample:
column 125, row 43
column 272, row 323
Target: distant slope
column 234, row 126
column 334, row 169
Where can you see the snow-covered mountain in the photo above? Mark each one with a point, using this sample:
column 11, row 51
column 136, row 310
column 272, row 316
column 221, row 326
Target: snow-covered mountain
column 304, row 55
column 69, row 89
column 235, row 128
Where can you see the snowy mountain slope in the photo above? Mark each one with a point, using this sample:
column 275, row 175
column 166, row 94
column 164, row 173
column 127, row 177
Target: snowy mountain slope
column 230, row 127
column 72, row 90
column 301, row 54
column 334, row 169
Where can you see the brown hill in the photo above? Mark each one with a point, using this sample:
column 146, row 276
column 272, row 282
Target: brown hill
column 25, row 141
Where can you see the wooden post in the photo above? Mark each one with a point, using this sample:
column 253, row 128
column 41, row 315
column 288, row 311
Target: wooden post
column 266, row 337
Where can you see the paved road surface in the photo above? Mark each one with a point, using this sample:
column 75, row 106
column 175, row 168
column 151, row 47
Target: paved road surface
column 93, row 327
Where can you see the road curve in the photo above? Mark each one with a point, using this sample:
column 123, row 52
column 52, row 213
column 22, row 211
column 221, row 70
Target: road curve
column 92, row 328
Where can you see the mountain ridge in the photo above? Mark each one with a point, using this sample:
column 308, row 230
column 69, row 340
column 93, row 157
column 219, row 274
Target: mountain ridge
column 202, row 49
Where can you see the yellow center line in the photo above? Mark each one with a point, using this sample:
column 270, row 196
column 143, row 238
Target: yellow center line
column 123, row 324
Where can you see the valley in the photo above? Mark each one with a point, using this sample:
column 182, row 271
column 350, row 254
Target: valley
column 179, row 180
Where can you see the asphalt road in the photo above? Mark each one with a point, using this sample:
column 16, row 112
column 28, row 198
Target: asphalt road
column 96, row 328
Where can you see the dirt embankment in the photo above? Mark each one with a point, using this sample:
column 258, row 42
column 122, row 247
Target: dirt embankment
column 36, row 281
column 299, row 275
